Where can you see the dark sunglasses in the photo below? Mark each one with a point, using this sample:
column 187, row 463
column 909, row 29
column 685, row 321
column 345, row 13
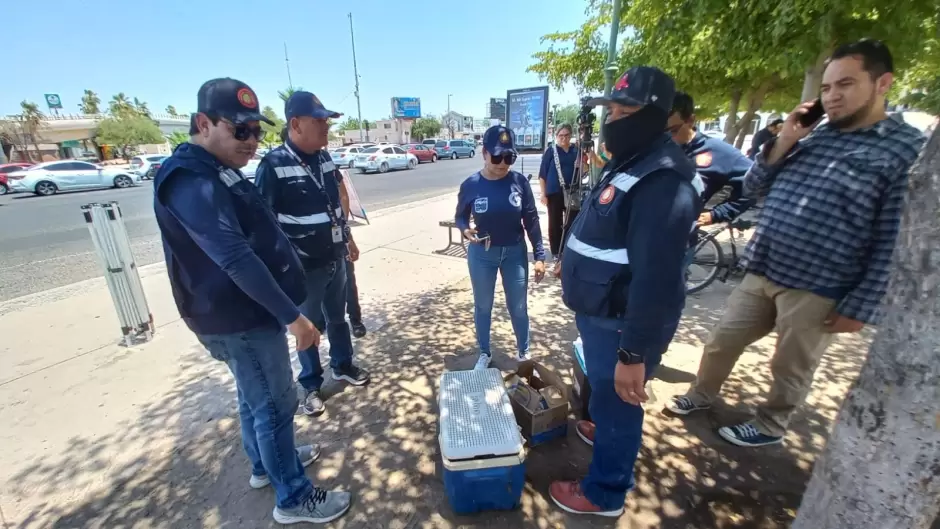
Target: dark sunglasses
column 508, row 157
column 242, row 132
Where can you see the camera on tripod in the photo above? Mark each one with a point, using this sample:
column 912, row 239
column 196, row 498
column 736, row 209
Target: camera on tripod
column 586, row 119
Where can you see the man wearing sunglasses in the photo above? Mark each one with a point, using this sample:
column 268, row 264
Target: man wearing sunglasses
column 623, row 275
column 237, row 283
column 717, row 163
column 302, row 186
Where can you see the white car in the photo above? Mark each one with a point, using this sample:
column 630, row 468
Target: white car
column 69, row 175
column 250, row 169
column 345, row 156
column 383, row 158
column 141, row 164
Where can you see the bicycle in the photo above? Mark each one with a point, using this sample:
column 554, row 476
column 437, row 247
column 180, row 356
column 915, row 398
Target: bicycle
column 717, row 267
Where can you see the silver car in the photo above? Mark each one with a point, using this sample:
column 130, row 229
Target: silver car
column 381, row 158
column 141, row 164
column 70, row 175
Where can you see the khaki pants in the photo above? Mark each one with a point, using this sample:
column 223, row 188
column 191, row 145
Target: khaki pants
column 754, row 308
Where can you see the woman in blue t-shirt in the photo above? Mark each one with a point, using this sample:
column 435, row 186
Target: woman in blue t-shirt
column 501, row 204
column 553, row 194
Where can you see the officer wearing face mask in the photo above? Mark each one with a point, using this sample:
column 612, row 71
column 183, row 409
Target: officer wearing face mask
column 623, row 276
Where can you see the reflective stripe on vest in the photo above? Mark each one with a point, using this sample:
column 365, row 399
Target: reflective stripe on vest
column 290, row 171
column 616, row 255
column 317, row 218
column 624, row 182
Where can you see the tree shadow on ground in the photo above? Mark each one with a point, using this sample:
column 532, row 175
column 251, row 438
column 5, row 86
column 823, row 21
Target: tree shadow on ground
column 381, row 441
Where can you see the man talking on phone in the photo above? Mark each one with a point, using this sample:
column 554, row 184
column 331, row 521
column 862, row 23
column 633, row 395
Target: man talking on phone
column 818, row 263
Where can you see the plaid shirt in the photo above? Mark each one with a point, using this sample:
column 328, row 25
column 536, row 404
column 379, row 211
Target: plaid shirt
column 832, row 212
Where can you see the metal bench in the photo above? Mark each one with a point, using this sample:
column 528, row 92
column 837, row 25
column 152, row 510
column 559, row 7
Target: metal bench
column 455, row 248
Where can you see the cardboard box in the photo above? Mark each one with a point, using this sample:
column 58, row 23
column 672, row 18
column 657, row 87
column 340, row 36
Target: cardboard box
column 581, row 385
column 541, row 407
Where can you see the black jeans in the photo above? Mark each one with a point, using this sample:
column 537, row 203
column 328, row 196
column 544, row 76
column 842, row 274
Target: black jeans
column 558, row 224
column 352, row 294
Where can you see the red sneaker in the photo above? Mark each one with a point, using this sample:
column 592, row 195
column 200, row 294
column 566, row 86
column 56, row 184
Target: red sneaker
column 585, row 430
column 568, row 496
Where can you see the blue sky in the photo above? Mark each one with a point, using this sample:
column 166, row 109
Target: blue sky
column 162, row 50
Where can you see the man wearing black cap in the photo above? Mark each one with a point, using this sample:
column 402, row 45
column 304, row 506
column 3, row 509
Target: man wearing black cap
column 301, row 184
column 237, row 283
column 623, row 275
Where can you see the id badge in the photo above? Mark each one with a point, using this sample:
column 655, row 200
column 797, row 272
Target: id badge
column 337, row 234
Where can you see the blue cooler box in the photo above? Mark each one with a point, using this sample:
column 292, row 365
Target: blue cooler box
column 482, row 449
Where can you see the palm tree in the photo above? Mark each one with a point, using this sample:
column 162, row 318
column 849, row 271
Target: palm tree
column 171, row 110
column 141, row 107
column 32, row 120
column 120, row 105
column 285, row 94
column 90, row 103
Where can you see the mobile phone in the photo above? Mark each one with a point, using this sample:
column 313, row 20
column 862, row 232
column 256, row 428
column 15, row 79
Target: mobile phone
column 813, row 115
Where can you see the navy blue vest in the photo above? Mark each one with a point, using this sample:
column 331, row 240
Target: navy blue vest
column 207, row 298
column 596, row 266
column 302, row 208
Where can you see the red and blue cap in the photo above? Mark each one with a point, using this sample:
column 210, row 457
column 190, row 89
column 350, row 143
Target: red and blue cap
column 499, row 139
column 301, row 104
column 641, row 86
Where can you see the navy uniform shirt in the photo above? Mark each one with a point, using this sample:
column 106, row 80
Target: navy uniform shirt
column 720, row 164
column 549, row 173
column 500, row 209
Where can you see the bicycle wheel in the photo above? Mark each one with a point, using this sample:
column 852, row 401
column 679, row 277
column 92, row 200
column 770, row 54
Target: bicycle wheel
column 706, row 260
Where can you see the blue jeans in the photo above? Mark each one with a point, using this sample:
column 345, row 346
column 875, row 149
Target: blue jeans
column 326, row 308
column 512, row 263
column 260, row 361
column 619, row 425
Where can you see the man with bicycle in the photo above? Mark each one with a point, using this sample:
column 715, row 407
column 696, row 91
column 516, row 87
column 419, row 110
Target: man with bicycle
column 717, row 163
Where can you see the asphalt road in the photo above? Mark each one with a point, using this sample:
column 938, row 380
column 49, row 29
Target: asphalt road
column 44, row 242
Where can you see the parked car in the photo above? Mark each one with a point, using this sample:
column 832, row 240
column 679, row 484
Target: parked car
column 430, row 143
column 5, row 170
column 383, row 158
column 422, row 152
column 141, row 164
column 345, row 156
column 251, row 168
column 152, row 172
column 454, row 149
column 70, row 175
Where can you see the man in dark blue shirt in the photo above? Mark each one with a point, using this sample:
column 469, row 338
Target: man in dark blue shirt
column 237, row 283
column 716, row 162
column 301, row 184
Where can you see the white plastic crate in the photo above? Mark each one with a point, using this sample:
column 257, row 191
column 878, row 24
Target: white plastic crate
column 476, row 416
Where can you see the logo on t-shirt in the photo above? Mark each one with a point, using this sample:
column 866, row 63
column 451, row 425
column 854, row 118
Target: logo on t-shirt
column 515, row 199
column 480, row 205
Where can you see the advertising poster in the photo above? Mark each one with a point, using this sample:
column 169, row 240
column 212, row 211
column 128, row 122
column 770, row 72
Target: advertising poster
column 526, row 116
column 406, row 107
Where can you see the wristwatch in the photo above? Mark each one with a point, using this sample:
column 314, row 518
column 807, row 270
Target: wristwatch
column 628, row 358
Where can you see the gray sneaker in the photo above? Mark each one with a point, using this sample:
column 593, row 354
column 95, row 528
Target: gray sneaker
column 307, row 455
column 320, row 507
column 312, row 404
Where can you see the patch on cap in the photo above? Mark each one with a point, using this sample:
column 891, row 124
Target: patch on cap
column 703, row 159
column 247, row 98
column 316, row 100
column 623, row 82
column 504, row 137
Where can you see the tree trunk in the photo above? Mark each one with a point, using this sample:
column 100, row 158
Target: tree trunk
column 755, row 99
column 881, row 468
column 742, row 133
column 812, row 77
column 730, row 123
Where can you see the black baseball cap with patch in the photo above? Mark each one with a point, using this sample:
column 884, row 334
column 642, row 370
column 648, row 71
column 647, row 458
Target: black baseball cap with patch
column 230, row 99
column 641, row 86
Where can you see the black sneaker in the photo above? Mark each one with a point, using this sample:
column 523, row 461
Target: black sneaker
column 313, row 404
column 352, row 374
column 358, row 329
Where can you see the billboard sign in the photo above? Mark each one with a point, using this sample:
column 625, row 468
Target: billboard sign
column 497, row 108
column 53, row 101
column 527, row 113
column 406, row 107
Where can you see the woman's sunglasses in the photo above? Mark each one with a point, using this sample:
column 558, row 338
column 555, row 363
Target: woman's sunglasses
column 508, row 157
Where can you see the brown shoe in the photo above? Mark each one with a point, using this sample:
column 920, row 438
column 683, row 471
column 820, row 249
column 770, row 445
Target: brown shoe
column 585, row 431
column 568, row 496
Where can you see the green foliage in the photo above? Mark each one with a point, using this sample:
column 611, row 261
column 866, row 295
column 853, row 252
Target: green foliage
column 426, row 127
column 121, row 106
column 171, row 110
column 353, row 124
column 127, row 131
column 272, row 133
column 91, row 103
column 285, row 94
column 177, row 137
column 567, row 114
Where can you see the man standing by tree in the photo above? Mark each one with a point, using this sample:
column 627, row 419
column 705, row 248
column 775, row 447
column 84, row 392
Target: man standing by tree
column 763, row 136
column 818, row 262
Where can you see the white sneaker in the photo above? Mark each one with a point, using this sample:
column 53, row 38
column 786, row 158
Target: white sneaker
column 483, row 361
column 523, row 356
column 307, row 454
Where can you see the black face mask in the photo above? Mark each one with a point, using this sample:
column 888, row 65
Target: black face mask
column 628, row 136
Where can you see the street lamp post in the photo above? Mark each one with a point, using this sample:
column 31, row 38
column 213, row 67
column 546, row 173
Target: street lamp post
column 450, row 119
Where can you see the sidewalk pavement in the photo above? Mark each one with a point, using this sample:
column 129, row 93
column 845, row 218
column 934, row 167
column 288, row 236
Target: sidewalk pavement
column 97, row 435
